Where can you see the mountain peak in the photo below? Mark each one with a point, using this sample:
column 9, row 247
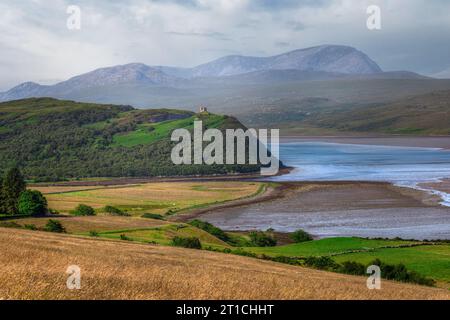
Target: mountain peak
column 324, row 58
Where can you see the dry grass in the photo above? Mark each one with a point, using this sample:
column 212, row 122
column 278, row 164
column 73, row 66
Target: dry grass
column 60, row 189
column 98, row 223
column 34, row 263
column 158, row 197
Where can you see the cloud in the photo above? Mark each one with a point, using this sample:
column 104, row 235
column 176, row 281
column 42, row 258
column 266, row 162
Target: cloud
column 36, row 45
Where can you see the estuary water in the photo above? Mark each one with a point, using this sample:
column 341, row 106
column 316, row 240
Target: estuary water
column 334, row 214
column 402, row 166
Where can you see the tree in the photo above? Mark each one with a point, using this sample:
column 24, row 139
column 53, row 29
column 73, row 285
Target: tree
column 2, row 197
column 13, row 185
column 301, row 236
column 261, row 239
column 32, row 202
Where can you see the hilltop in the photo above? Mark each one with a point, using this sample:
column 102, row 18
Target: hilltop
column 57, row 139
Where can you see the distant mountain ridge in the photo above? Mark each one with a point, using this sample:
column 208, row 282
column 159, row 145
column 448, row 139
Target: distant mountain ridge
column 333, row 59
column 327, row 58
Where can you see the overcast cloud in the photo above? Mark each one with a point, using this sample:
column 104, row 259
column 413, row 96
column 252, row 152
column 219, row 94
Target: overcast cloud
column 35, row 44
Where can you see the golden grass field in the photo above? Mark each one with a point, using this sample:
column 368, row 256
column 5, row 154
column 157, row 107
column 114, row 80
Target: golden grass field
column 157, row 197
column 34, row 265
column 95, row 223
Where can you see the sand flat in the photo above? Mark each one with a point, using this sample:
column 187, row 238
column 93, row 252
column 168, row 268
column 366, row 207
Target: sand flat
column 331, row 209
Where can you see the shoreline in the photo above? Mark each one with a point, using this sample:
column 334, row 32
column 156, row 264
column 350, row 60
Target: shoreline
column 339, row 209
column 435, row 142
column 277, row 191
column 119, row 181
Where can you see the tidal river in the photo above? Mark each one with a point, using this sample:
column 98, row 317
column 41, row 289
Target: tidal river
column 402, row 166
column 319, row 161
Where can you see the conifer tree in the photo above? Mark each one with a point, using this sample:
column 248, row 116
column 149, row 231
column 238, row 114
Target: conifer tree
column 13, row 185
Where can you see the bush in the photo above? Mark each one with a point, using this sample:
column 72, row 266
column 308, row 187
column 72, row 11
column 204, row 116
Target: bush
column 32, row 202
column 93, row 233
column 301, row 236
column 211, row 229
column 10, row 224
column 124, row 237
column 322, row 263
column 261, row 239
column 353, row 268
column 191, row 243
column 152, row 216
column 30, row 227
column 83, row 210
column 54, row 226
column 113, row 211
column 399, row 272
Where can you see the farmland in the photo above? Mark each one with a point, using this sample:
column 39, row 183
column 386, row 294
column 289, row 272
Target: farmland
column 126, row 270
column 146, row 238
column 161, row 197
column 429, row 260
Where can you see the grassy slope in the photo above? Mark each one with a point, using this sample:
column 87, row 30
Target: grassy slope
column 432, row 261
column 34, row 266
column 429, row 260
column 150, row 133
column 328, row 246
column 415, row 114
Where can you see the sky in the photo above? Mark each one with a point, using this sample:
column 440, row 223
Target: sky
column 36, row 44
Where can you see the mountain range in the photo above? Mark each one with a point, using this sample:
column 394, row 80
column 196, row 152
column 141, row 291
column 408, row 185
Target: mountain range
column 316, row 63
column 308, row 87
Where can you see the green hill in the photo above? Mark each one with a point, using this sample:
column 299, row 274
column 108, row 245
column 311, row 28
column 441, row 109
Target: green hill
column 53, row 139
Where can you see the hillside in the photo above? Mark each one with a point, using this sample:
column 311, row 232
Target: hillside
column 123, row 270
column 427, row 114
column 52, row 139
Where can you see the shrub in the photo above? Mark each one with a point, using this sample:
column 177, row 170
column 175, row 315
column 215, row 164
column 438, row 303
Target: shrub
column 399, row 272
column 261, row 239
column 32, row 202
column 54, row 226
column 124, row 237
column 241, row 252
column 353, row 268
column 115, row 211
column 83, row 210
column 30, row 227
column 93, row 233
column 211, row 229
column 322, row 263
column 301, row 236
column 10, row 224
column 152, row 216
column 191, row 243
